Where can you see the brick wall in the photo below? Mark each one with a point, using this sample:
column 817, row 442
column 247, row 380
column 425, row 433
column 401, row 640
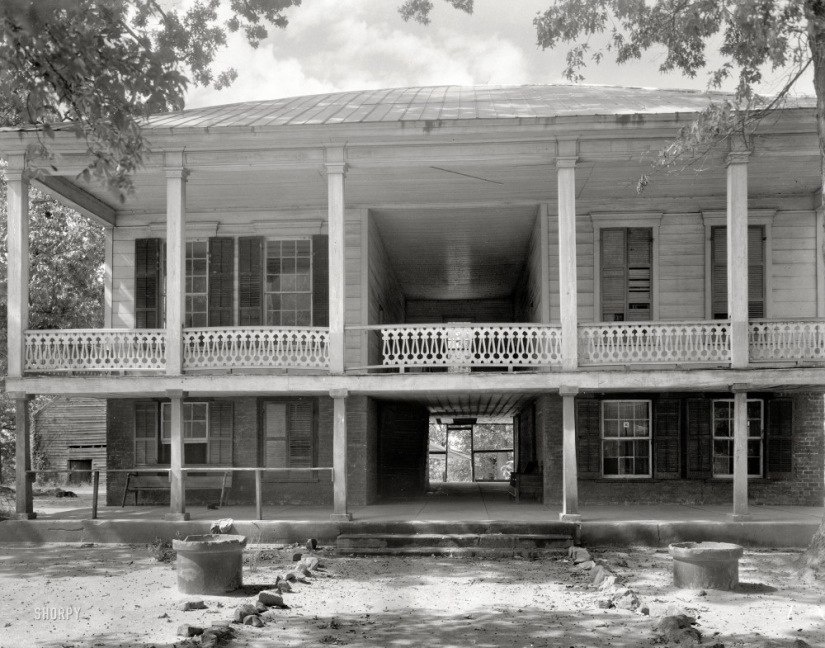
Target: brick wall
column 120, row 447
column 549, row 444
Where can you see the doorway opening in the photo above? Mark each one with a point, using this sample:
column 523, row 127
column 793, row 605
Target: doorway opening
column 466, row 451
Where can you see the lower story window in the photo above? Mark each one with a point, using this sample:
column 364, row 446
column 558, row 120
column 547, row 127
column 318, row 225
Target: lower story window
column 195, row 432
column 723, row 438
column 626, row 438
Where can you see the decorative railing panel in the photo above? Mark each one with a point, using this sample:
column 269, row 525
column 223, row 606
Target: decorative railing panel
column 460, row 346
column 95, row 350
column 777, row 341
column 653, row 343
column 248, row 347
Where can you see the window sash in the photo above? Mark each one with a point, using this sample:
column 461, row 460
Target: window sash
column 722, row 413
column 197, row 283
column 195, row 423
column 288, row 282
column 627, row 449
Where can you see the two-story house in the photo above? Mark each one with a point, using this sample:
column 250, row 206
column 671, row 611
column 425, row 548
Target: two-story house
column 306, row 282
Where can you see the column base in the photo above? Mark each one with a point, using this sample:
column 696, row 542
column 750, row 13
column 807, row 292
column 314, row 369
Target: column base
column 739, row 517
column 176, row 517
column 24, row 516
column 570, row 517
column 340, row 517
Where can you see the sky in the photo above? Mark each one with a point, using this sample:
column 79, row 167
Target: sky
column 342, row 45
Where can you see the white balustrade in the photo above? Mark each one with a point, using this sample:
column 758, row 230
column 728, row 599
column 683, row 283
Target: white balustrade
column 247, row 347
column 777, row 341
column 95, row 350
column 653, row 343
column 461, row 346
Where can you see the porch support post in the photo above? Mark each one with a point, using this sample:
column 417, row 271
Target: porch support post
column 175, row 260
column 568, row 299
column 544, row 249
column 177, row 492
column 570, row 493
column 336, row 170
column 339, row 455
column 24, row 506
column 740, row 453
column 737, row 232
column 17, row 307
column 108, row 260
column 820, row 261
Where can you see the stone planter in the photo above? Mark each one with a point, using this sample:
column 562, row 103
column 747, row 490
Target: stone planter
column 209, row 564
column 706, row 565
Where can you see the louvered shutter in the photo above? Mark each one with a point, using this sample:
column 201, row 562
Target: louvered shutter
column 300, row 434
column 146, row 433
column 320, row 280
column 221, row 280
column 614, row 275
column 250, row 280
column 756, row 272
column 719, row 273
column 220, row 433
column 588, row 438
column 526, row 438
column 666, row 438
column 147, row 283
column 780, row 436
column 275, row 435
column 699, row 439
column 639, row 253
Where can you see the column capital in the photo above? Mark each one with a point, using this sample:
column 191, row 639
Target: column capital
column 737, row 157
column 741, row 388
column 338, row 168
column 566, row 162
column 567, row 390
column 338, row 393
column 18, row 396
column 176, row 172
column 176, row 393
column 17, row 168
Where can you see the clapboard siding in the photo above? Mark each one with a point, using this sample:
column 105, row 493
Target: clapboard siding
column 386, row 299
column 584, row 267
column 681, row 267
column 528, row 294
column 352, row 288
column 793, row 261
column 66, row 429
column 479, row 311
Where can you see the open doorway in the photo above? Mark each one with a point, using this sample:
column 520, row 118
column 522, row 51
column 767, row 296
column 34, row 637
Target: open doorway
column 466, row 450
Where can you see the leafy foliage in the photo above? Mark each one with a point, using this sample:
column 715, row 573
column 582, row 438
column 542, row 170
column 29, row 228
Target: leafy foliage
column 419, row 10
column 100, row 67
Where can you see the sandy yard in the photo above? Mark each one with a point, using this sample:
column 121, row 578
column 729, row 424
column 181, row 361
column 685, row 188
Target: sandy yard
column 124, row 597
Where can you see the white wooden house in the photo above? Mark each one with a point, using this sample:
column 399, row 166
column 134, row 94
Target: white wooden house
column 305, row 282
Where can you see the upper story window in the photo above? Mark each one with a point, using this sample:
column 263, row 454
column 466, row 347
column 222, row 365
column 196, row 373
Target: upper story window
column 756, row 272
column 626, row 438
column 197, row 313
column 723, row 444
column 626, row 274
column 288, row 284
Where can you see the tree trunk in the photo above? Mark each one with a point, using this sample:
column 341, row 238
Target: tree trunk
column 814, row 556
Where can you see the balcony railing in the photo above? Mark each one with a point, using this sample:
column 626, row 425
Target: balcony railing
column 783, row 341
column 251, row 347
column 95, row 350
column 654, row 343
column 463, row 346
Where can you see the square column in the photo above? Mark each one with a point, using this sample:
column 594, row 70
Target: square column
column 176, row 176
column 336, row 171
column 740, row 454
column 568, row 297
column 570, row 486
column 17, row 307
column 24, row 506
column 339, row 455
column 177, row 477
column 737, row 232
column 108, row 261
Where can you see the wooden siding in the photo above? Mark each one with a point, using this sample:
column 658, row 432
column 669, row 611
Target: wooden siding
column 584, row 266
column 794, row 265
column 478, row 311
column 528, row 296
column 386, row 299
column 681, row 267
column 72, row 428
column 353, row 294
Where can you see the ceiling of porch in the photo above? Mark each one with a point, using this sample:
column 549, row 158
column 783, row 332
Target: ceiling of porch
column 501, row 407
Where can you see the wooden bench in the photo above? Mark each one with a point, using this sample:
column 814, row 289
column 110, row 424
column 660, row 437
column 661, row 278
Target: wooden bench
column 136, row 482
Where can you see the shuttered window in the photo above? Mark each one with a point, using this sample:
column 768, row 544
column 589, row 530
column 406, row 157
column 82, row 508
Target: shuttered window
column 195, row 432
column 667, row 438
column 780, row 436
column 723, row 443
column 588, row 438
column 220, row 433
column 626, row 274
column 288, row 285
column 197, row 279
column 146, row 434
column 288, row 434
column 148, row 283
column 250, row 280
column 626, row 438
column 221, row 281
column 756, row 272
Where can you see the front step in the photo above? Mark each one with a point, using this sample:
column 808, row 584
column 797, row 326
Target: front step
column 472, row 544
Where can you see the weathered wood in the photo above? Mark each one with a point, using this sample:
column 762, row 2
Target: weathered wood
column 17, row 244
column 820, row 261
column 339, row 456
column 740, row 455
column 24, row 506
column 737, row 241
column 175, row 265
column 108, row 261
column 570, row 496
column 336, row 170
column 566, row 171
column 177, row 494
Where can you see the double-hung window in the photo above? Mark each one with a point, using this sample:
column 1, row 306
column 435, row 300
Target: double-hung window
column 195, row 432
column 626, row 274
column 722, row 426
column 197, row 301
column 626, row 438
column 756, row 272
column 288, row 283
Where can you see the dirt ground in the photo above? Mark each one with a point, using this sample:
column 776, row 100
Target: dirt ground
column 125, row 597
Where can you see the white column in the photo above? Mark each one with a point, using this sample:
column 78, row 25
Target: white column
column 544, row 249
column 24, row 506
column 175, row 260
column 737, row 232
column 570, row 492
column 339, row 456
column 740, row 454
column 336, row 170
column 820, row 262
column 177, row 477
column 17, row 307
column 108, row 260
column 568, row 299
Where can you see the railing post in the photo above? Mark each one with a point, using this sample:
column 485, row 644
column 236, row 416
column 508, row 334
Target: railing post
column 95, row 487
column 17, row 306
column 176, row 176
column 737, row 233
column 336, row 170
column 570, row 485
column 24, row 505
column 177, row 491
column 568, row 297
column 259, row 513
column 339, row 456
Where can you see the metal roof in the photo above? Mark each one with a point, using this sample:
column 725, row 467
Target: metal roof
column 441, row 103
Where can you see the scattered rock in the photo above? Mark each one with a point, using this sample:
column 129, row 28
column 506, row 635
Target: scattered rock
column 679, row 629
column 244, row 610
column 163, row 616
column 626, row 599
column 260, row 607
column 194, row 604
column 188, row 630
column 295, row 576
column 604, row 603
column 270, row 598
column 579, row 555
column 213, row 507
column 587, row 564
column 303, row 569
column 210, row 640
column 312, row 545
column 297, row 556
column 645, row 610
column 283, row 586
column 600, row 573
column 253, row 620
column 311, row 562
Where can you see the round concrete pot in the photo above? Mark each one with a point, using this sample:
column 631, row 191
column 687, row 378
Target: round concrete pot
column 209, row 564
column 706, row 565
